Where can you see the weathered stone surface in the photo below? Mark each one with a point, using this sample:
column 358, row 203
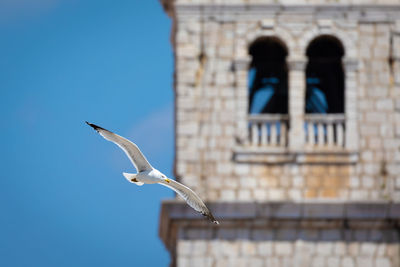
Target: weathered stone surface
column 219, row 157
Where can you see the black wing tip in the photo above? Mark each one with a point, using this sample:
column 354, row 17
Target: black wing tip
column 210, row 217
column 94, row 126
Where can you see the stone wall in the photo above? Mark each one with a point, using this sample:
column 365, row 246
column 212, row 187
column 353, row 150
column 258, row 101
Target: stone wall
column 288, row 2
column 242, row 182
column 284, row 234
column 211, row 104
column 378, row 93
column 252, row 252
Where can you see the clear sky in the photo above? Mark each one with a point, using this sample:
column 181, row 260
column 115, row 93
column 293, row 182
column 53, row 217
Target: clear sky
column 63, row 199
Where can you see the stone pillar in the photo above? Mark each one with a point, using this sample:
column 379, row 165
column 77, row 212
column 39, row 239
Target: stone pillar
column 297, row 91
column 241, row 69
column 351, row 137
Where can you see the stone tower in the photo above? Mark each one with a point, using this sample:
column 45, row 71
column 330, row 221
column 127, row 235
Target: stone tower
column 288, row 125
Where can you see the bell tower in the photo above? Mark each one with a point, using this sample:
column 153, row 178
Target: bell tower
column 287, row 123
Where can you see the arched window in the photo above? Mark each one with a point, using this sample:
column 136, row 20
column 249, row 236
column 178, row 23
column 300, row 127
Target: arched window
column 268, row 77
column 325, row 76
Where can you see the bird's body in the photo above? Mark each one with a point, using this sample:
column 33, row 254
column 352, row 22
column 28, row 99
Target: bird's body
column 149, row 175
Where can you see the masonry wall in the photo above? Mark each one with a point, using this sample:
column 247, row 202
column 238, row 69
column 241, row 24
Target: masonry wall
column 213, row 155
column 287, row 2
column 211, row 107
column 247, row 248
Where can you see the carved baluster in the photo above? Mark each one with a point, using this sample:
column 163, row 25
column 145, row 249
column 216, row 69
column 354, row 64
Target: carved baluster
column 339, row 134
column 254, row 134
column 273, row 133
column 321, row 134
column 310, row 133
column 264, row 134
column 282, row 138
column 329, row 132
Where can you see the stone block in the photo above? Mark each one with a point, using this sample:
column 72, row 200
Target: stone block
column 324, row 248
column 256, row 262
column 382, row 262
column 353, row 248
column 295, row 194
column 273, row 261
column 354, row 182
column 333, row 262
column 368, row 249
column 244, row 195
column 339, row 248
column 367, row 181
column 183, row 261
column 221, row 262
column 260, row 194
column 224, row 168
column 385, row 104
column 264, row 248
column 358, row 195
column 366, row 29
column 199, row 247
column 201, row 262
column 283, row 248
column 318, row 261
column 239, row 262
column 228, row 194
column 347, row 262
column 184, row 247
column 381, row 250
column 276, row 194
column 298, row 181
column 248, row 248
column 365, row 261
column 242, row 169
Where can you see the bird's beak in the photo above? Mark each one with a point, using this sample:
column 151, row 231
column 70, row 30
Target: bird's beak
column 167, row 180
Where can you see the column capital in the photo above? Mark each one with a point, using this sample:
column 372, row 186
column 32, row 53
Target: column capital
column 350, row 64
column 241, row 64
column 297, row 64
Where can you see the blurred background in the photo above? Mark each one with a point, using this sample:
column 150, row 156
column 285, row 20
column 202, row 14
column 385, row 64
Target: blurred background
column 63, row 199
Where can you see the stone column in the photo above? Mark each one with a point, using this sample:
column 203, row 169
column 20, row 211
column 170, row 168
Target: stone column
column 241, row 69
column 351, row 135
column 297, row 91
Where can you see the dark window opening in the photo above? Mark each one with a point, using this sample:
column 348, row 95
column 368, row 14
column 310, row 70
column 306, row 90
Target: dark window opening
column 268, row 77
column 325, row 76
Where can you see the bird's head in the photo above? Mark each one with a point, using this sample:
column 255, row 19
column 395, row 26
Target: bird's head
column 163, row 177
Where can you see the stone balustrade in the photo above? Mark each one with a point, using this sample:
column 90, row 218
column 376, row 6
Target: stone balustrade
column 325, row 130
column 268, row 129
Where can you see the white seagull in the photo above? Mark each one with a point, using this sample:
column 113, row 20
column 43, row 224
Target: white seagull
column 149, row 175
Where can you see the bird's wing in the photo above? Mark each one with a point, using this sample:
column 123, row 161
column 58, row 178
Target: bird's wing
column 190, row 197
column 132, row 151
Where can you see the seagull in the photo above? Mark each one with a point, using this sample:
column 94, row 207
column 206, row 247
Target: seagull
column 149, row 175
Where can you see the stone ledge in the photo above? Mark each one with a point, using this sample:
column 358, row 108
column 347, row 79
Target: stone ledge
column 365, row 13
column 327, row 215
column 284, row 155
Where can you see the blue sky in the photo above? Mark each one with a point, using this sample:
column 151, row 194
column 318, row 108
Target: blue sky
column 63, row 199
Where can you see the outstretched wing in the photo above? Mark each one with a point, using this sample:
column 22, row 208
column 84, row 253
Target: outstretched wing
column 131, row 150
column 190, row 197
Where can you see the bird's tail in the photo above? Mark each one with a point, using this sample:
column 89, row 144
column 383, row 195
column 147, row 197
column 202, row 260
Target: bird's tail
column 131, row 177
